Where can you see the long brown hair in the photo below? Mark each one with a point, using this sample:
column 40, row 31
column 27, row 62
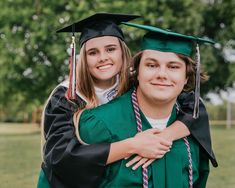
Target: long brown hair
column 191, row 73
column 85, row 83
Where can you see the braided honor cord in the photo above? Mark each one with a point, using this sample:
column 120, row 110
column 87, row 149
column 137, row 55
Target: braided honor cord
column 190, row 166
column 139, row 129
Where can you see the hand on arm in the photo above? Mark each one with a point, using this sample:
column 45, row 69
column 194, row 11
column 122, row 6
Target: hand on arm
column 147, row 145
column 174, row 132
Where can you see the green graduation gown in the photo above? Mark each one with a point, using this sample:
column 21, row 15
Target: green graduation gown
column 115, row 121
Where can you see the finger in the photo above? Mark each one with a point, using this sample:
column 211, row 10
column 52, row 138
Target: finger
column 163, row 148
column 166, row 143
column 160, row 153
column 134, row 160
column 147, row 163
column 159, row 156
column 140, row 163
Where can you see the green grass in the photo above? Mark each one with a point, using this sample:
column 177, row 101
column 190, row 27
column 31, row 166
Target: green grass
column 224, row 146
column 20, row 158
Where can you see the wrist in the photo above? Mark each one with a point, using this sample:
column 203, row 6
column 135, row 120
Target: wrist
column 166, row 134
column 132, row 146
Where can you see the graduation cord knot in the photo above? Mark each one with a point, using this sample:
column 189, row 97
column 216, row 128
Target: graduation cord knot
column 139, row 129
column 136, row 108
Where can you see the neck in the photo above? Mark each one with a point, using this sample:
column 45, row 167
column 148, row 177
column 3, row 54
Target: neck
column 104, row 84
column 152, row 108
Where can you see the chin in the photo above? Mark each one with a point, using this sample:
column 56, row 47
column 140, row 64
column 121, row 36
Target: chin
column 163, row 98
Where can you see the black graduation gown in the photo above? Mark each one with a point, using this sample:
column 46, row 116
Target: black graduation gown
column 68, row 164
column 199, row 128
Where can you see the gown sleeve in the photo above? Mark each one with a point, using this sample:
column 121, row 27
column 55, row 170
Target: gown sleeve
column 66, row 161
column 92, row 129
column 199, row 128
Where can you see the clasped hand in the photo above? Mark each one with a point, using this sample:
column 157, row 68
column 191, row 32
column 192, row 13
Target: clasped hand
column 152, row 145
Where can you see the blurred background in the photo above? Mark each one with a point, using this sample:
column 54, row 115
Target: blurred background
column 34, row 59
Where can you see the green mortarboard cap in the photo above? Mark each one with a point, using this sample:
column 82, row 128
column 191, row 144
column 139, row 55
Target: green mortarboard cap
column 99, row 24
column 168, row 41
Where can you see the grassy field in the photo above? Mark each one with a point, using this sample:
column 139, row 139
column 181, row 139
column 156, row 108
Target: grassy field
column 20, row 157
column 224, row 146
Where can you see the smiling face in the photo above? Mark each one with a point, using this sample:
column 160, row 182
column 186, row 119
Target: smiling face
column 161, row 77
column 104, row 60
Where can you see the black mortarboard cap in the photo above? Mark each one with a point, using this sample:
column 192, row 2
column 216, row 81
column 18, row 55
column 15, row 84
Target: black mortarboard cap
column 98, row 25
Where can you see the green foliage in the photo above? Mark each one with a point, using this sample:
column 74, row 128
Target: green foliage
column 34, row 58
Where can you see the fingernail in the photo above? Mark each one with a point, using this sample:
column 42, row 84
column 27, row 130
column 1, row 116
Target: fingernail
column 127, row 165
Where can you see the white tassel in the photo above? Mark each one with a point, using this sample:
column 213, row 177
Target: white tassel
column 197, row 85
column 73, row 84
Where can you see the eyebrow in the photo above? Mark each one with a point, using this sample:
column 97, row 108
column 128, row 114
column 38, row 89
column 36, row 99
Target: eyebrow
column 151, row 59
column 156, row 61
column 178, row 62
column 107, row 46
column 111, row 45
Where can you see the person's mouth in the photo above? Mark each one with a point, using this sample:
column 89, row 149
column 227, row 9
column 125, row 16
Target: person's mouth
column 104, row 67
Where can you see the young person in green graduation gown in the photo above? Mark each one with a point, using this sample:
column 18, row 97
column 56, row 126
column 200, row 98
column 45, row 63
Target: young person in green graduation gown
column 101, row 77
column 162, row 71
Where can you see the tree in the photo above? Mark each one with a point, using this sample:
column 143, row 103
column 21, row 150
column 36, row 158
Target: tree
column 34, row 58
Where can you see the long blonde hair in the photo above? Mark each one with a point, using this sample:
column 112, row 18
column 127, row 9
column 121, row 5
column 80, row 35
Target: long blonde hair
column 85, row 83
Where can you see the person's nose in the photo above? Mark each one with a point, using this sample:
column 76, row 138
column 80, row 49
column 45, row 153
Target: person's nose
column 161, row 72
column 103, row 56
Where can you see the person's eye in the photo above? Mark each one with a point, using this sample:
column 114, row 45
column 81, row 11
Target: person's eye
column 174, row 66
column 111, row 49
column 92, row 53
column 151, row 65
